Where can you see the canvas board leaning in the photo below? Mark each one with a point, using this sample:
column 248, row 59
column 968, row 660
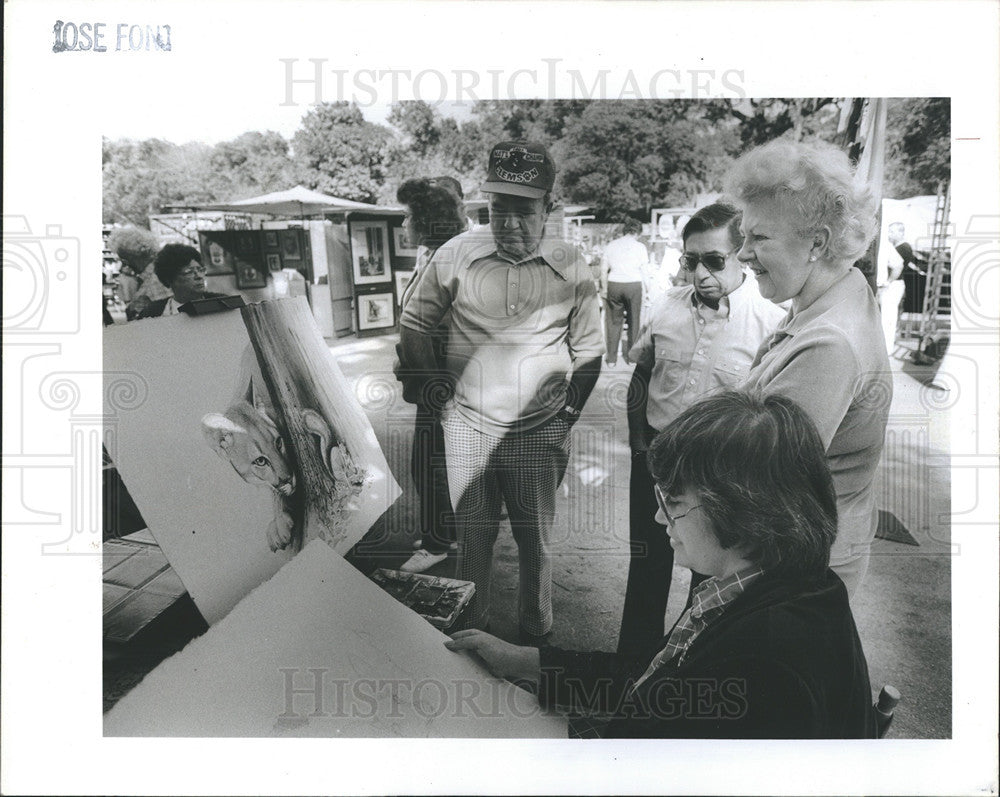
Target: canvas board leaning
column 192, row 423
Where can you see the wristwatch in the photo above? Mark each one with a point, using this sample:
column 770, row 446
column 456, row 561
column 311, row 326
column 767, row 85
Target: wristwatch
column 569, row 414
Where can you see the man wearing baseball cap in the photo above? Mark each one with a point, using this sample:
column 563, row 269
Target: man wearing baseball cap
column 523, row 354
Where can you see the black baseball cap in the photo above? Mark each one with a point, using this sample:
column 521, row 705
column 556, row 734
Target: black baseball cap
column 520, row 168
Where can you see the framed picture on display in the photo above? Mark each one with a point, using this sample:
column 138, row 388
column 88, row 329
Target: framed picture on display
column 375, row 311
column 249, row 276
column 370, row 251
column 290, row 248
column 273, row 261
column 216, row 255
column 404, row 246
column 246, row 242
column 402, row 280
column 271, row 239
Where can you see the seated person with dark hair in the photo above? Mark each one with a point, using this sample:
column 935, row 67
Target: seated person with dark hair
column 179, row 268
column 768, row 647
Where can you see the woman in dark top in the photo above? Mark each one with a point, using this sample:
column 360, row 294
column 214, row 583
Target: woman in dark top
column 768, row 647
column 435, row 215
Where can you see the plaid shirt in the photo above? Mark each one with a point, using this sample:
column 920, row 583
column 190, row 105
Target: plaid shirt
column 709, row 601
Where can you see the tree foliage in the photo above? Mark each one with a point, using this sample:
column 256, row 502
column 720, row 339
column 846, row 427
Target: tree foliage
column 763, row 120
column 337, row 152
column 538, row 120
column 252, row 164
column 420, row 125
column 140, row 177
column 918, row 146
column 430, row 145
column 628, row 156
column 619, row 157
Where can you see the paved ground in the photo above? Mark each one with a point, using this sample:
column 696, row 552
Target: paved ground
column 903, row 610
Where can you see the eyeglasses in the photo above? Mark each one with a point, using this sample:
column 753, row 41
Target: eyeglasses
column 713, row 261
column 193, row 271
column 661, row 500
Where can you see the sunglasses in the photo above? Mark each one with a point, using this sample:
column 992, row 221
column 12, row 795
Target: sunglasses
column 661, row 500
column 713, row 261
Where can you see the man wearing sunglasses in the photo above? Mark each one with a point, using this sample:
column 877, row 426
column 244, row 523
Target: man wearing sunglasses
column 699, row 338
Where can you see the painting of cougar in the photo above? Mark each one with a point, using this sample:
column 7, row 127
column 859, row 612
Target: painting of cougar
column 249, row 440
column 247, row 436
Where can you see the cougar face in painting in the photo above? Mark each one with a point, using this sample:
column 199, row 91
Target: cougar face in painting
column 250, row 441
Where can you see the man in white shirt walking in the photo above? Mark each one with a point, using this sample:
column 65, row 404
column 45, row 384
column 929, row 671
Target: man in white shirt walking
column 624, row 269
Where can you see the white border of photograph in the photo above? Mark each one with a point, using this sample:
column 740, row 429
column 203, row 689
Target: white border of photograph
column 360, row 251
column 51, row 585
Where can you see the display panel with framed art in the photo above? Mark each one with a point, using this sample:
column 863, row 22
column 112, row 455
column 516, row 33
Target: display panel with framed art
column 375, row 311
column 247, row 244
column 217, row 252
column 271, row 239
column 291, row 247
column 273, row 260
column 403, row 245
column 402, row 280
column 370, row 252
column 249, row 276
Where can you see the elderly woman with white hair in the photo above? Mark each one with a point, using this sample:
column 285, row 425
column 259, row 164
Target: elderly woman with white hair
column 806, row 221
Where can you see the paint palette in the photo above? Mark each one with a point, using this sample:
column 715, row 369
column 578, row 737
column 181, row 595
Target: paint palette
column 438, row 600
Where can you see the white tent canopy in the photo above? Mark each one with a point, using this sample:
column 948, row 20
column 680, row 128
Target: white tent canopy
column 298, row 201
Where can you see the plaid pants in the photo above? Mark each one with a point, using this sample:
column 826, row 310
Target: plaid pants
column 523, row 471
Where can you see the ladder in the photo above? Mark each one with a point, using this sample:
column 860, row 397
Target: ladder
column 938, row 264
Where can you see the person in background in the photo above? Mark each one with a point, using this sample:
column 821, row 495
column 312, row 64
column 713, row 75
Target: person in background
column 698, row 339
column 768, row 648
column 914, row 270
column 449, row 183
column 891, row 293
column 805, row 222
column 178, row 267
column 624, row 268
column 434, row 216
column 681, row 276
column 135, row 248
column 523, row 355
column 453, row 185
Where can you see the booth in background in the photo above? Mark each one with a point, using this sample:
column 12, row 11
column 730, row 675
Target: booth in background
column 353, row 258
column 377, row 262
column 348, row 255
